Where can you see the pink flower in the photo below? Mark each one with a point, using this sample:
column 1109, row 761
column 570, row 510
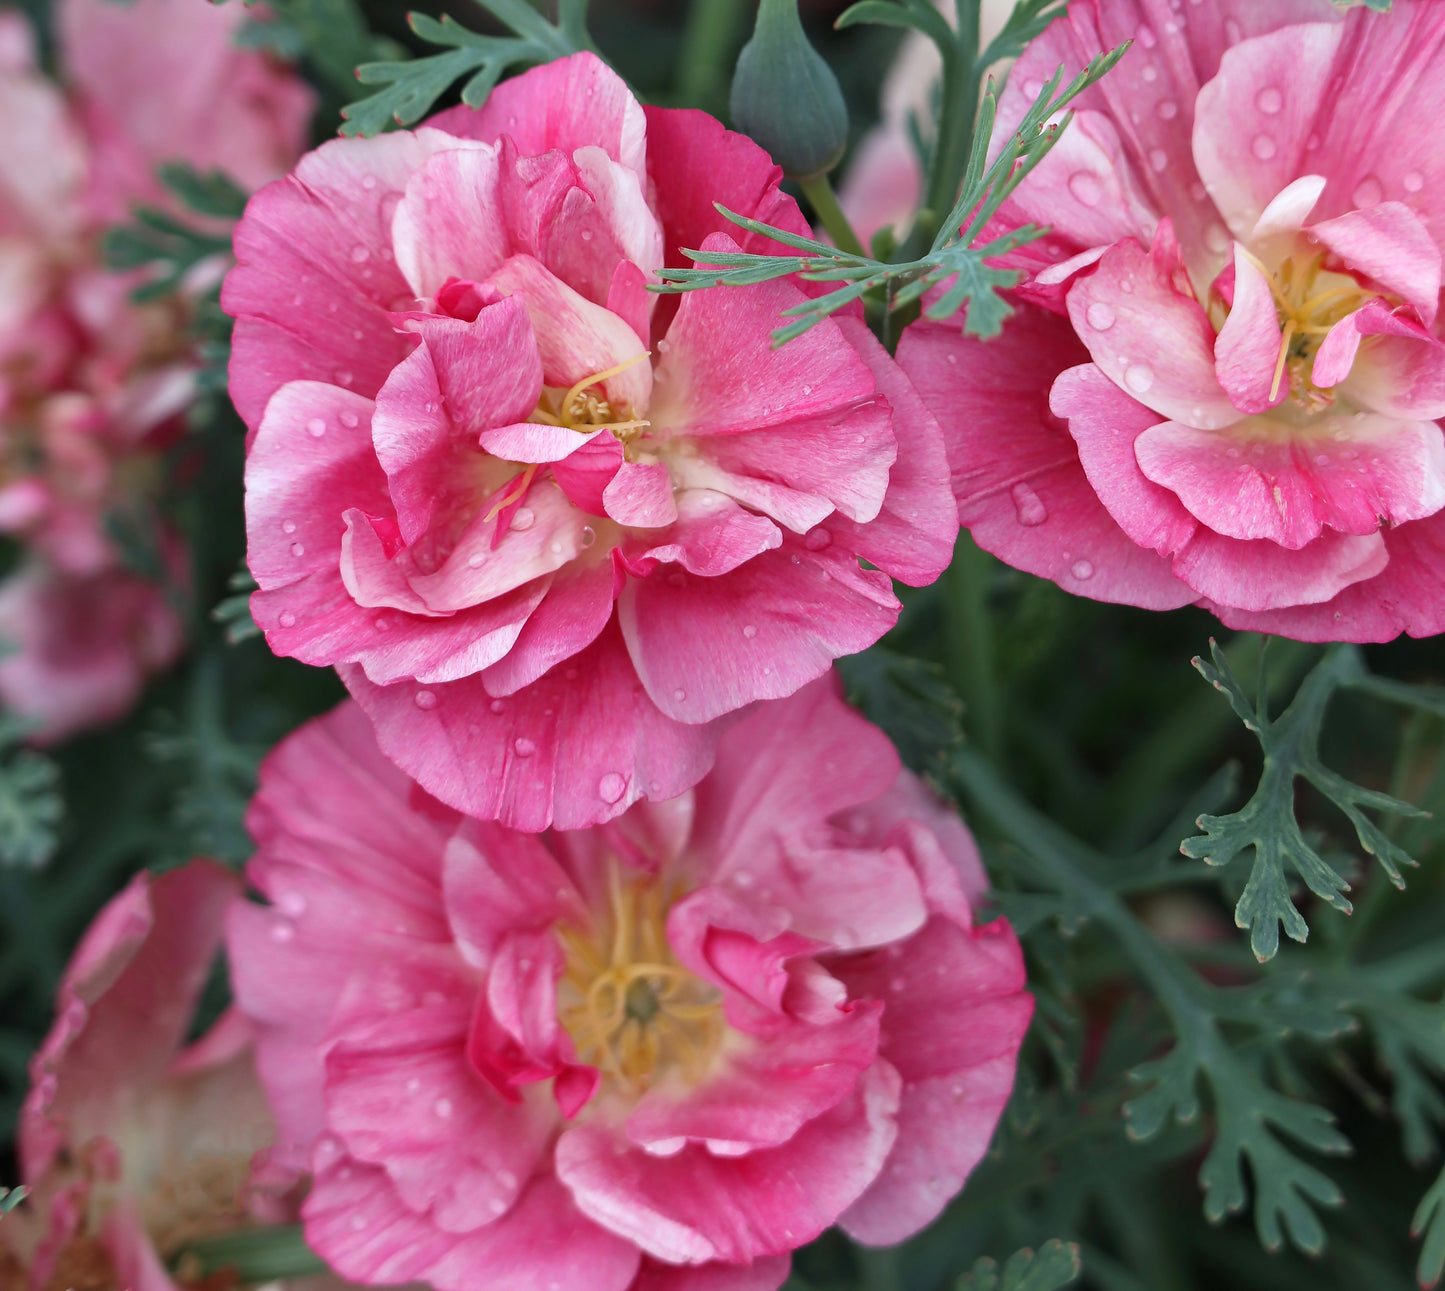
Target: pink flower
column 554, row 530
column 658, row 1054
column 132, row 1142
column 1225, row 389
column 92, row 385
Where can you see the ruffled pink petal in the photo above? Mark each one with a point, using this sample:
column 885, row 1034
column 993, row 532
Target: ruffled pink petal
column 576, row 338
column 704, row 388
column 315, row 267
column 1407, row 596
column 461, row 382
column 1264, row 480
column 767, row 1274
column 641, row 495
column 571, row 103
column 42, row 171
column 357, row 1223
column 450, row 223
column 402, row 1096
column 1394, row 365
column 955, row 1016
column 695, row 1207
column 1246, row 355
column 574, row 748
column 1016, row 472
column 913, row 534
column 1262, row 575
column 1289, row 209
column 761, row 1097
column 136, row 1262
column 1148, row 334
column 708, row 646
column 123, row 1008
column 1390, row 245
column 712, row 535
column 576, row 608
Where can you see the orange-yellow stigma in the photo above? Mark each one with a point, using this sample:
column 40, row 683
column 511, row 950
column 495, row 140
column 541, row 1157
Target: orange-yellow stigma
column 578, row 409
column 632, row 1010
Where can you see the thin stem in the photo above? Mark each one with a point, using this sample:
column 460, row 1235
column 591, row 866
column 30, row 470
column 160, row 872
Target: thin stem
column 968, row 633
column 961, row 81
column 710, row 42
column 825, row 203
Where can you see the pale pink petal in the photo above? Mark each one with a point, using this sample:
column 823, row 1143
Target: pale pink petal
column 956, row 1015
column 1394, row 365
column 1262, row 575
column 1261, row 479
column 449, row 222
column 541, row 1240
column 763, row 1095
column 703, row 647
column 766, row 1274
column 641, row 494
column 883, row 184
column 1149, row 335
column 137, row 1264
column 42, row 170
column 1246, row 354
column 1408, row 596
column 1016, row 471
column 401, row 1096
column 1390, row 245
column 574, row 748
column 313, row 269
column 1289, row 209
column 530, row 441
column 695, row 1207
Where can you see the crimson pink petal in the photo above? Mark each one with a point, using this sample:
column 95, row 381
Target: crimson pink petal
column 767, row 1274
column 576, row 608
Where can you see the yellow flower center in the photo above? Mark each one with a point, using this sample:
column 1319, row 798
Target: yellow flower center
column 585, row 410
column 632, row 1010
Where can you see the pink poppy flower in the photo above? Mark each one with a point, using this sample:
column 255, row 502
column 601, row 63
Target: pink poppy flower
column 554, row 530
column 92, row 385
column 1226, row 387
column 654, row 1055
column 132, row 1142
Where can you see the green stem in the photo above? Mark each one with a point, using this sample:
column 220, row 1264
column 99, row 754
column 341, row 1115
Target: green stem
column 710, row 42
column 968, row 635
column 961, row 80
column 825, row 203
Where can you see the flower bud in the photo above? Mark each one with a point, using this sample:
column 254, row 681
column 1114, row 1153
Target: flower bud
column 786, row 97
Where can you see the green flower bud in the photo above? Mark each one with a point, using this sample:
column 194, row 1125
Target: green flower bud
column 786, row 97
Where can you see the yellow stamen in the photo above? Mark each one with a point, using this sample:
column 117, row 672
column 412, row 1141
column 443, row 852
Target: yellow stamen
column 1284, row 340
column 514, row 493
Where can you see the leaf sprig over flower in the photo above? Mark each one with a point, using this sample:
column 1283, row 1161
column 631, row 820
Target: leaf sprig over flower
column 1052, row 1266
column 956, row 263
column 414, row 85
column 31, row 806
column 1267, row 822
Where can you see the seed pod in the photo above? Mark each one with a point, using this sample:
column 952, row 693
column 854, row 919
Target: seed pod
column 786, row 97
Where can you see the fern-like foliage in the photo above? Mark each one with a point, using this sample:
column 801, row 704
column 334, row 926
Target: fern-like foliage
column 1053, row 1265
column 1267, row 825
column 414, row 85
column 1429, row 1225
column 31, row 805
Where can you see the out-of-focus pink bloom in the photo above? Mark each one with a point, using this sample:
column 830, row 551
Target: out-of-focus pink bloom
column 90, row 383
column 1225, row 389
column 655, row 1055
column 884, row 182
column 132, row 1142
column 553, row 529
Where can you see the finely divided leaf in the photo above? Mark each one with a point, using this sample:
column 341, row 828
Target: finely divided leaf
column 1055, row 1264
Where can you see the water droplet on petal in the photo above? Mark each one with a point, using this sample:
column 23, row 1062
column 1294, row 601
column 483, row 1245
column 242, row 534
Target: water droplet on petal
column 1263, row 147
column 523, row 747
column 523, row 519
column 282, row 931
column 610, row 787
column 1139, row 377
column 589, row 535
column 1082, row 569
column 344, row 378
column 443, row 1108
column 1232, row 32
column 1028, row 506
column 497, row 706
column 350, row 420
column 382, row 624
column 425, row 699
column 1150, row 73
column 1100, row 316
column 368, row 182
column 359, row 254
column 1158, row 159
column 1368, row 192
column 818, row 539
column 298, row 549
column 316, row 427
column 288, row 526
column 1216, row 238
column 1085, row 187
column 413, row 1085
column 357, row 1223
column 750, row 630
column 1269, row 101
column 287, row 620
column 1413, row 181
column 1146, row 36
column 679, row 694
